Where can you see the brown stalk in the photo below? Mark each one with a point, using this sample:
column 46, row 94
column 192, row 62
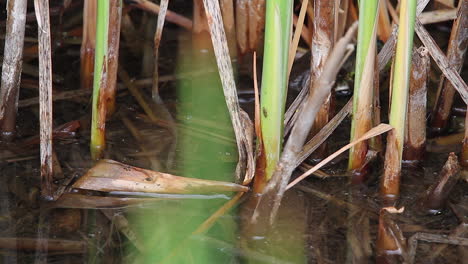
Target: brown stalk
column 242, row 24
column 376, row 143
column 256, row 12
column 170, row 16
column 444, row 64
column 45, row 96
column 342, row 13
column 11, row 67
column 322, row 43
column 415, row 133
column 455, row 55
column 88, row 44
column 385, row 29
column 250, row 22
column 227, row 10
column 391, row 244
column 437, row 195
column 464, row 153
column 115, row 16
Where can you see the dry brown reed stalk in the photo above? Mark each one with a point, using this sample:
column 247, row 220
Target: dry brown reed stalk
column 391, row 244
column 464, row 153
column 415, row 132
column 88, row 44
column 455, row 55
column 227, row 10
column 322, row 44
column 385, row 29
column 45, row 96
column 341, row 16
column 115, row 16
column 155, row 9
column 436, row 196
column 11, row 67
column 444, row 64
column 250, row 22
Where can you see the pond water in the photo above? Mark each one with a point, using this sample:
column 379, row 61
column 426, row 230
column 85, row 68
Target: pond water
column 320, row 220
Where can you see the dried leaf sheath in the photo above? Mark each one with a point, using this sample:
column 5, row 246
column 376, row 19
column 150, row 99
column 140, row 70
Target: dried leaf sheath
column 45, row 96
column 415, row 133
column 12, row 66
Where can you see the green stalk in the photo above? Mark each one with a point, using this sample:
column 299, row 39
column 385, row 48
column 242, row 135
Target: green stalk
column 400, row 86
column 363, row 84
column 98, row 121
column 283, row 241
column 274, row 85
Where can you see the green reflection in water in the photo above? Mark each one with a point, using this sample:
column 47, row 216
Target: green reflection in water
column 210, row 154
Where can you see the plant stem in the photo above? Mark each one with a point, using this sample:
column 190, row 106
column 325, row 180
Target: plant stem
column 415, row 135
column 455, row 55
column 45, row 96
column 464, row 153
column 322, row 43
column 363, row 86
column 100, row 67
column 12, row 65
column 390, row 184
column 274, row 85
column 88, row 44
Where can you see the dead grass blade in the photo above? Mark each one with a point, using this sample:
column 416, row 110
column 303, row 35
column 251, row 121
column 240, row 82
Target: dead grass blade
column 156, row 42
column 297, row 35
column 240, row 121
column 109, row 175
column 382, row 128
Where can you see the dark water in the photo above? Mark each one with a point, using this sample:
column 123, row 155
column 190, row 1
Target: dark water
column 316, row 213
